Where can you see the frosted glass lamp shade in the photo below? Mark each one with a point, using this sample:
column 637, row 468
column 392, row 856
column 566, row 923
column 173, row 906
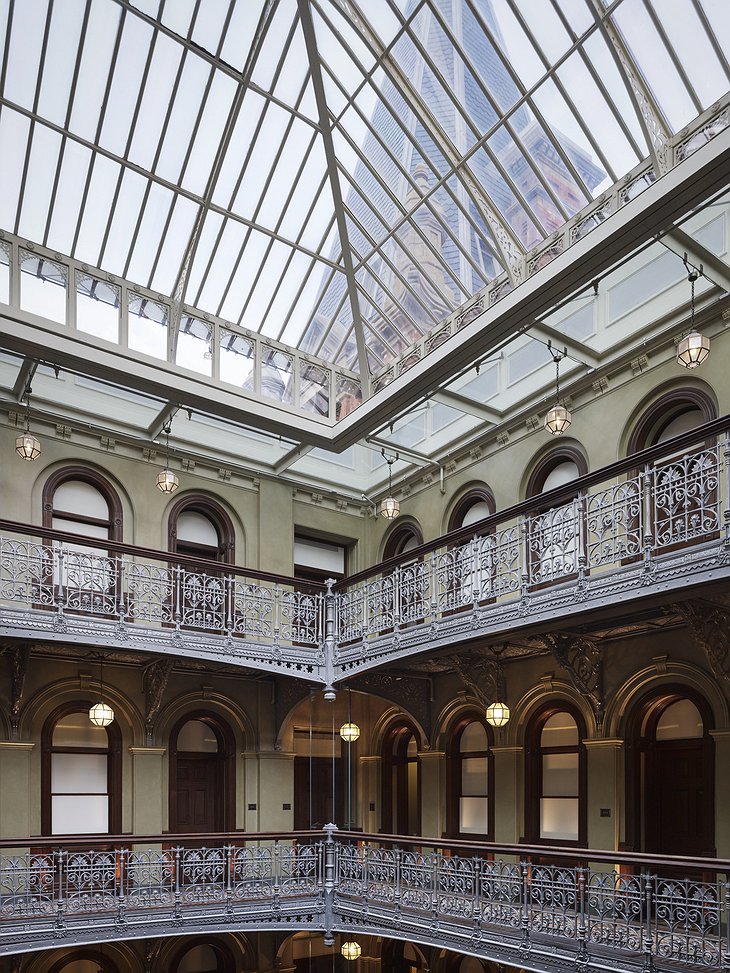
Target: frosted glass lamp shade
column 693, row 349
column 557, row 419
column 497, row 714
column 28, row 447
column 167, row 482
column 349, row 732
column 389, row 508
column 101, row 714
column 351, row 950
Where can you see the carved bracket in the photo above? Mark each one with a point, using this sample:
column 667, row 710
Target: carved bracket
column 154, row 677
column 580, row 657
column 18, row 656
column 482, row 677
column 412, row 695
column 710, row 627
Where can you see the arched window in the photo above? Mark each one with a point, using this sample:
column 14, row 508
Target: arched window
column 202, row 775
column 401, row 780
column 471, row 783
column 402, row 539
column 402, row 957
column 81, row 501
column 471, row 508
column 555, row 785
column 200, row 527
column 211, row 957
column 81, row 768
column 670, row 768
column 670, row 415
column 553, row 531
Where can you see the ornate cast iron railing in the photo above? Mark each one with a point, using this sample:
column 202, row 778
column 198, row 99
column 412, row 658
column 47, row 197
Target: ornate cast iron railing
column 631, row 911
column 607, row 535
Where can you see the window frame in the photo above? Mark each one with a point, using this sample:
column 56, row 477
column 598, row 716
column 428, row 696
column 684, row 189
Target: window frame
column 455, row 758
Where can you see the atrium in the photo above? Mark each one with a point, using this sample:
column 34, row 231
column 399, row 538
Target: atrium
column 365, row 486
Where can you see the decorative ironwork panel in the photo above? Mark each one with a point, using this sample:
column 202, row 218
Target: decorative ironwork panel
column 203, row 874
column 615, row 915
column 253, row 610
column 456, row 578
column 382, row 874
column 414, row 586
column 202, row 600
column 553, row 544
column 381, row 601
column 301, row 615
column 90, row 881
column 552, row 897
column 86, row 581
column 687, row 918
column 458, row 882
column 499, row 563
column 614, row 523
column 300, row 869
column 150, row 592
column 252, row 872
column 417, row 880
column 150, row 879
column 351, row 606
column 26, row 573
column 499, row 893
column 351, row 870
column 28, row 886
column 686, row 498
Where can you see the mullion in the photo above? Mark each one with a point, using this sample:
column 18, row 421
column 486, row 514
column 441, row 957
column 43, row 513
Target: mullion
column 67, row 120
column 507, row 66
column 538, row 174
column 716, row 46
column 676, row 60
column 31, row 132
column 551, row 73
column 601, row 86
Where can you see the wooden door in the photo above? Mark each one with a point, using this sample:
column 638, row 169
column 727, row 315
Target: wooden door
column 199, row 805
column 319, row 800
column 681, row 823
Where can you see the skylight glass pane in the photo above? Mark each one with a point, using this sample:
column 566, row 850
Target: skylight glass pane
column 97, row 307
column 274, row 46
column 43, row 286
column 241, row 29
column 504, row 199
column 239, row 147
column 349, row 396
column 237, row 359
column 123, row 221
column 177, row 238
column 300, row 213
column 156, row 100
column 314, row 389
column 126, row 84
column 222, row 268
column 39, row 182
column 258, row 166
column 294, row 292
column 546, row 28
column 26, row 40
column 259, row 298
column 294, row 70
column 277, row 375
column 657, row 67
column 694, row 51
column 195, row 345
column 603, row 61
column 67, row 204
column 718, row 15
column 102, row 187
column 5, row 252
column 519, row 47
column 60, row 60
column 178, row 16
column 208, row 236
column 293, row 151
column 96, row 60
column 210, row 131
column 209, row 24
column 14, row 140
column 148, row 324
column 185, row 108
column 154, row 217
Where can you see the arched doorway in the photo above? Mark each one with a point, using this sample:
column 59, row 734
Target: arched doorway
column 92, row 960
column 401, row 781
column 670, row 782
column 208, row 957
column 202, row 775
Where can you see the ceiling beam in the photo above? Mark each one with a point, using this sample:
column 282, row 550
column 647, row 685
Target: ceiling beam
column 163, row 417
column 289, row 458
column 717, row 270
column 24, row 378
column 454, row 400
column 575, row 348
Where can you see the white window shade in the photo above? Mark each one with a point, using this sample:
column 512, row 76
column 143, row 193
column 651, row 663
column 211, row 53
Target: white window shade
column 79, row 773
column 319, row 555
column 80, row 813
column 474, row 815
column 196, row 528
column 560, row 475
column 478, row 511
column 560, row 774
column 474, row 776
column 79, row 497
column 559, row 818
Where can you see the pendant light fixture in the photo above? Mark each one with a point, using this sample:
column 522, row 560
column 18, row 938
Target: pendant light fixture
column 349, row 731
column 497, row 713
column 101, row 713
column 167, row 481
column 351, row 950
column 27, row 446
column 694, row 348
column 390, row 508
column 558, row 418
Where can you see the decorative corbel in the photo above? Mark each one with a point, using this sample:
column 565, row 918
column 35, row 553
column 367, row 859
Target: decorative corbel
column 19, row 656
column 482, row 677
column 152, row 949
column 154, row 677
column 710, row 627
column 580, row 657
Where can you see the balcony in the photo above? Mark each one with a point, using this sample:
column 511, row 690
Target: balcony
column 640, row 529
column 517, row 909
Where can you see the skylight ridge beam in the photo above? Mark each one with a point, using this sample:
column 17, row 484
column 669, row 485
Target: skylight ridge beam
column 598, row 81
column 651, row 119
column 424, row 200
column 315, row 66
column 466, row 120
column 510, row 249
column 496, row 108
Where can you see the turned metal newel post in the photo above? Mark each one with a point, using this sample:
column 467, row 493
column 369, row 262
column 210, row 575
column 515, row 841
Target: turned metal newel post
column 648, row 936
column 648, row 539
column 330, row 642
column 330, row 879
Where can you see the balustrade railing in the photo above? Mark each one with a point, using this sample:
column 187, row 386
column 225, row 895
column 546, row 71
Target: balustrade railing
column 649, row 912
column 627, row 516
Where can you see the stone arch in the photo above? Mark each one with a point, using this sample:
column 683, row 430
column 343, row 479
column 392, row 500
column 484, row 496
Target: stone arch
column 121, row 508
column 224, row 706
column 546, row 460
column 549, row 690
column 666, row 402
column 459, row 505
column 214, row 509
column 402, row 533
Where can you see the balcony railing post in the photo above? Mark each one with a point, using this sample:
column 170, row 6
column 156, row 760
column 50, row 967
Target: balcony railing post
column 230, row 856
column 648, row 936
column 60, row 594
column 178, row 877
column 648, row 539
column 120, row 868
column 582, row 875
column 726, row 947
column 525, row 893
column 524, row 559
column 434, row 573
column 229, row 594
column 277, row 612
column 58, row 870
column 726, row 511
column 330, row 638
column 178, row 571
column 330, row 882
column 580, row 528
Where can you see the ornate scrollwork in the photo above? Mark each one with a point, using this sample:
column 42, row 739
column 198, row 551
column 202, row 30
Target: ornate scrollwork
column 481, row 676
column 580, row 657
column 155, row 677
column 710, row 627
